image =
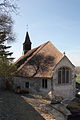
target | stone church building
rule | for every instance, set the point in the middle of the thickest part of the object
(45, 69)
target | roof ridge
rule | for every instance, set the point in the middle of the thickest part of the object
(34, 54)
(25, 54)
(29, 51)
(61, 60)
(43, 45)
(56, 48)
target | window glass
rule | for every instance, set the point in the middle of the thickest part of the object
(44, 83)
(67, 76)
(27, 84)
(59, 76)
(64, 74)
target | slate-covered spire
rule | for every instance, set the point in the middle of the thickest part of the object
(27, 44)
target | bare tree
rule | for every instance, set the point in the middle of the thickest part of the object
(6, 28)
(41, 63)
(8, 6)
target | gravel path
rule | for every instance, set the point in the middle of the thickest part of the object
(13, 107)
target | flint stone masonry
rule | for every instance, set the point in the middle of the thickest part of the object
(64, 90)
(35, 84)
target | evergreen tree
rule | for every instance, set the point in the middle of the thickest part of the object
(7, 68)
(5, 34)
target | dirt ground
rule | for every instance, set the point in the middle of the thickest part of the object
(13, 107)
(38, 103)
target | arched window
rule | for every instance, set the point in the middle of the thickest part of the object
(64, 75)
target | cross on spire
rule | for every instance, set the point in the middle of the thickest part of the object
(27, 27)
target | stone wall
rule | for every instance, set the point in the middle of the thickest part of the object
(64, 90)
(35, 84)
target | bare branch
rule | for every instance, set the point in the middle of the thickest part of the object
(8, 6)
(41, 63)
(6, 33)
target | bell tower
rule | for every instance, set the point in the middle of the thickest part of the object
(27, 44)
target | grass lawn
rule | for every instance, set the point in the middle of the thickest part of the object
(78, 78)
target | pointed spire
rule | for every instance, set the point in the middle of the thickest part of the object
(27, 38)
(27, 43)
